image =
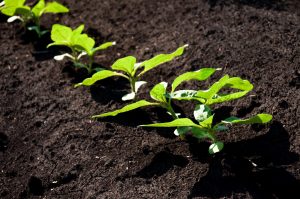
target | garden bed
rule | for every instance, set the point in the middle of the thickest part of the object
(50, 148)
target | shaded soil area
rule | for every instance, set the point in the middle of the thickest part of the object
(49, 147)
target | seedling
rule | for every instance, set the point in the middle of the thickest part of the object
(205, 128)
(204, 115)
(132, 71)
(79, 43)
(17, 10)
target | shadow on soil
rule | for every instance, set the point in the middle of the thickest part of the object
(162, 163)
(256, 166)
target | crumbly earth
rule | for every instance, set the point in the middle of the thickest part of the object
(50, 148)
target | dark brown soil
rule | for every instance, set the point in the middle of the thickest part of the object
(49, 147)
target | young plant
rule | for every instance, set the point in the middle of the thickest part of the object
(160, 95)
(17, 10)
(205, 128)
(132, 71)
(79, 43)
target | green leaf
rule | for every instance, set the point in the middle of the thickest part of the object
(82, 42)
(215, 147)
(38, 9)
(158, 92)
(201, 133)
(61, 35)
(212, 97)
(103, 74)
(258, 119)
(125, 64)
(202, 112)
(182, 122)
(199, 75)
(55, 7)
(160, 59)
(207, 123)
(104, 46)
(79, 29)
(214, 89)
(11, 6)
(127, 108)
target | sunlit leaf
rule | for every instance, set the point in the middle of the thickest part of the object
(158, 92)
(127, 108)
(199, 75)
(55, 7)
(103, 74)
(160, 59)
(125, 64)
(258, 119)
(207, 123)
(182, 122)
(39, 8)
(104, 46)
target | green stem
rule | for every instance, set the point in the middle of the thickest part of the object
(90, 64)
(132, 83)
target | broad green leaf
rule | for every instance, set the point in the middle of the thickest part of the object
(182, 130)
(201, 133)
(11, 6)
(202, 112)
(182, 122)
(38, 8)
(24, 12)
(258, 119)
(199, 75)
(215, 147)
(127, 108)
(82, 42)
(158, 92)
(125, 64)
(61, 35)
(238, 83)
(54, 7)
(214, 89)
(160, 59)
(211, 95)
(226, 97)
(207, 123)
(104, 46)
(103, 74)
